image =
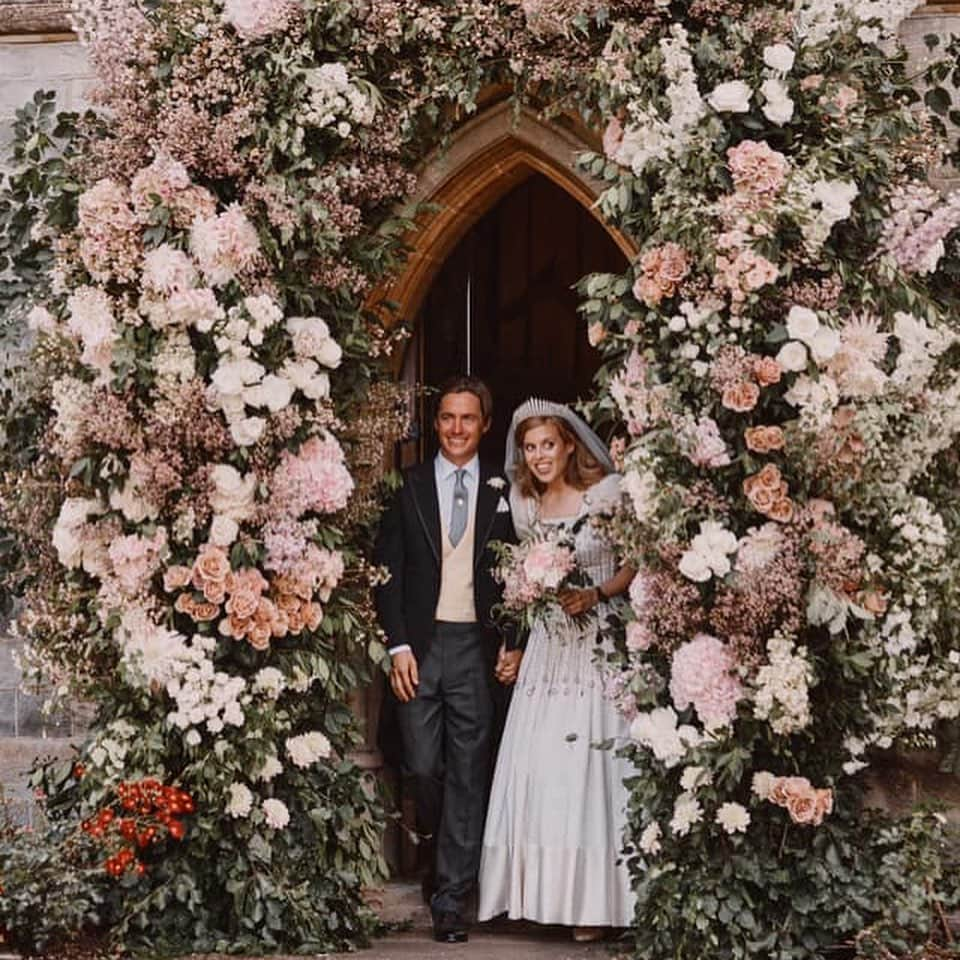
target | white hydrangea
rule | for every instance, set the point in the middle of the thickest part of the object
(335, 100)
(783, 687)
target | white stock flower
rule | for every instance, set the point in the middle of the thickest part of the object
(731, 97)
(778, 108)
(276, 813)
(649, 841)
(733, 818)
(241, 801)
(779, 57)
(686, 812)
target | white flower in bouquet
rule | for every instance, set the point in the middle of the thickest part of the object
(223, 531)
(793, 357)
(649, 841)
(802, 323)
(312, 340)
(246, 432)
(731, 97)
(241, 800)
(783, 685)
(686, 812)
(308, 748)
(276, 813)
(733, 818)
(68, 532)
(306, 377)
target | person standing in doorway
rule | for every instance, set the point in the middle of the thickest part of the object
(436, 610)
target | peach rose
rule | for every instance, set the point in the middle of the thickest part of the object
(770, 477)
(176, 578)
(782, 510)
(234, 627)
(212, 564)
(288, 603)
(248, 579)
(184, 604)
(767, 370)
(205, 612)
(312, 615)
(874, 601)
(741, 396)
(762, 499)
(214, 591)
(259, 638)
(764, 439)
(782, 788)
(802, 806)
(242, 604)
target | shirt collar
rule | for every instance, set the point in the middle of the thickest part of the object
(446, 469)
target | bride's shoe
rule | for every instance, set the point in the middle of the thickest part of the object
(588, 934)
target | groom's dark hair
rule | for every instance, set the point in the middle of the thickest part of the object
(464, 383)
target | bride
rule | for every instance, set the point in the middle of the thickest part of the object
(557, 806)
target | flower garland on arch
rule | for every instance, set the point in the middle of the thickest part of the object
(781, 381)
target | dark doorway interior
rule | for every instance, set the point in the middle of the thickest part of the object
(503, 306)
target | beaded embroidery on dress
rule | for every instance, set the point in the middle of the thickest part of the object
(558, 805)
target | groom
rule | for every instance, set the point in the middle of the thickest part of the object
(436, 612)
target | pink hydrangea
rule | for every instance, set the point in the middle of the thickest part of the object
(90, 319)
(315, 478)
(757, 169)
(109, 232)
(167, 270)
(702, 674)
(255, 19)
(161, 181)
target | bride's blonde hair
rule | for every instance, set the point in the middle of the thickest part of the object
(583, 470)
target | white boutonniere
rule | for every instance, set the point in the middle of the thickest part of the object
(498, 483)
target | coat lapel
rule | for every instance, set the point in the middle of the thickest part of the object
(487, 499)
(423, 489)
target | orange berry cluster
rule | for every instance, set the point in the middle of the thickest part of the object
(149, 811)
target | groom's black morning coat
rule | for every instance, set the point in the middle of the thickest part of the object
(409, 546)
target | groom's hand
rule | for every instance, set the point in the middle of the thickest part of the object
(508, 665)
(404, 675)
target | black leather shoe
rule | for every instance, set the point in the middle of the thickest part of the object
(449, 928)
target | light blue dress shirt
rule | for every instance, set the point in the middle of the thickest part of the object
(444, 473)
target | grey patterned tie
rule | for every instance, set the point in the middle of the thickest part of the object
(458, 512)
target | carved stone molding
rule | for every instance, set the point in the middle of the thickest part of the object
(36, 19)
(41, 20)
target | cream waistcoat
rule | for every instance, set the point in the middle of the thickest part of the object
(456, 604)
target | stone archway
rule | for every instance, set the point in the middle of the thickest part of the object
(487, 156)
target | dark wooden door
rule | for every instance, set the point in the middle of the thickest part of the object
(503, 306)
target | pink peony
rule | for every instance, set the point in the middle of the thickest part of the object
(255, 19)
(547, 563)
(224, 245)
(702, 674)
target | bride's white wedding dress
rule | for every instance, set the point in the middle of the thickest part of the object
(557, 807)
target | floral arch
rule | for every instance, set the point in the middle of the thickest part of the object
(197, 448)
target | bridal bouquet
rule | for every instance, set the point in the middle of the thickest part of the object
(533, 574)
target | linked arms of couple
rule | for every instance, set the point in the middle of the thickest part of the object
(404, 671)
